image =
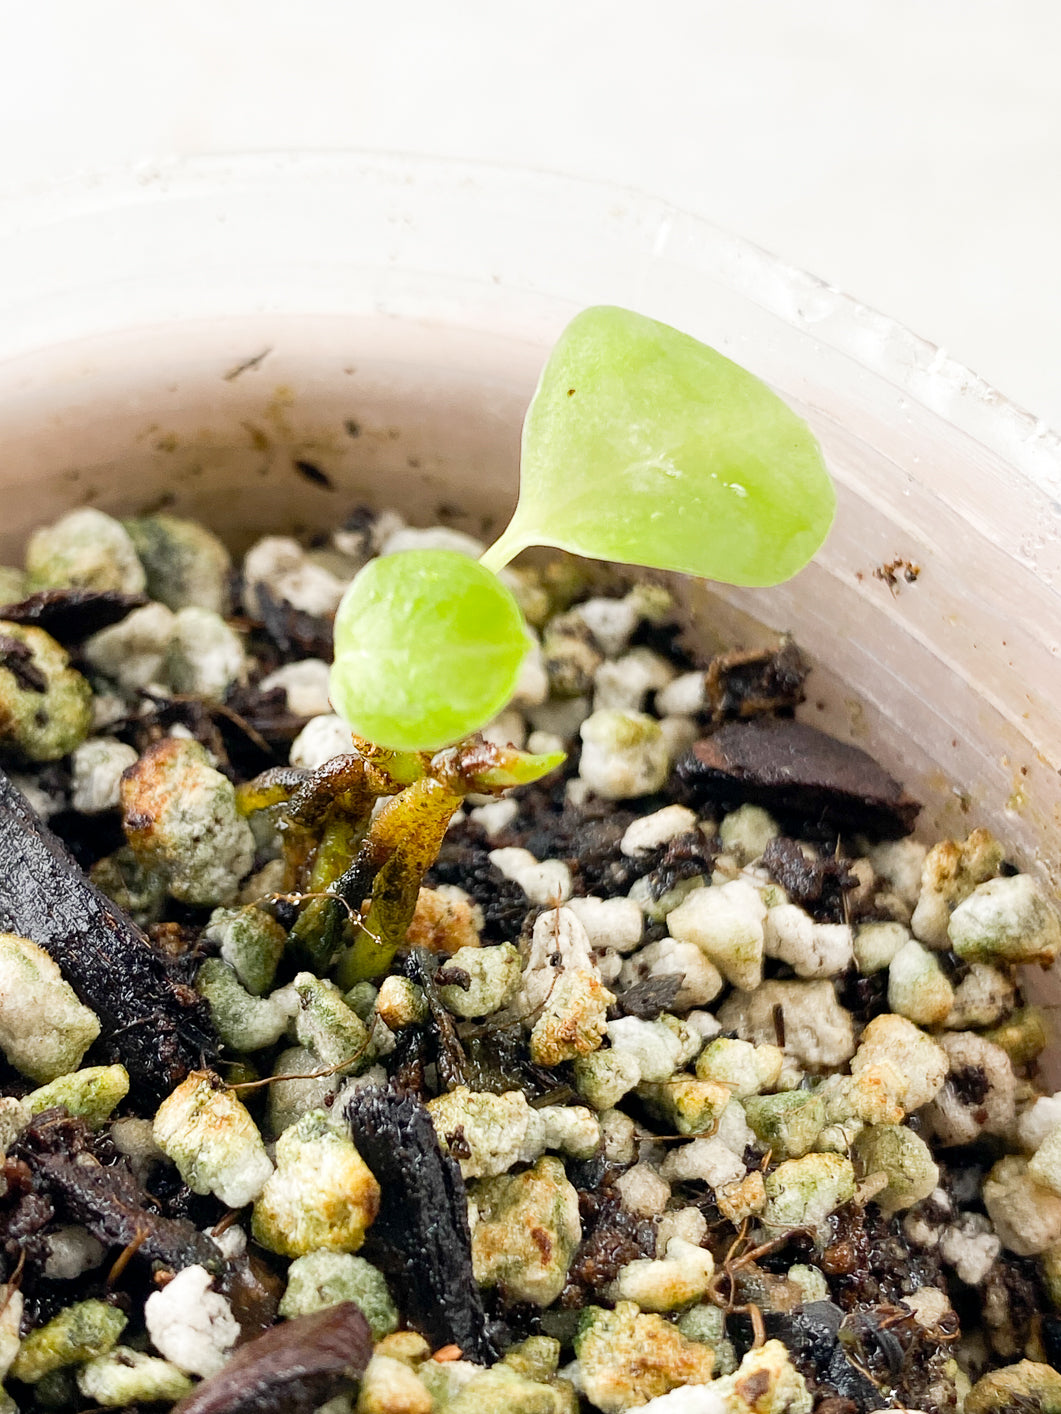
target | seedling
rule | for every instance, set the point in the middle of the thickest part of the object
(641, 445)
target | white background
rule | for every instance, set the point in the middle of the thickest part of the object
(908, 151)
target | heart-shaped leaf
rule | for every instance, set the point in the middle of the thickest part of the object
(645, 446)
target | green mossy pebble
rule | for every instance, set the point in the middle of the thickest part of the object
(323, 1279)
(125, 1376)
(46, 706)
(90, 1094)
(78, 1333)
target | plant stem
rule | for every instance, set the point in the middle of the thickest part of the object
(505, 548)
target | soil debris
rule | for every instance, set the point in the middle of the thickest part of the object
(744, 684)
(80, 1176)
(294, 633)
(817, 885)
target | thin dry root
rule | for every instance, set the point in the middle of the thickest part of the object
(306, 1075)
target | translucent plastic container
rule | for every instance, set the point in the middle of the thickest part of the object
(185, 340)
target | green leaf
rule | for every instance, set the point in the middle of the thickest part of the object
(645, 446)
(428, 646)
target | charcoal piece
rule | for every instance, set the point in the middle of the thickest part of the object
(649, 998)
(850, 1383)
(817, 885)
(812, 1336)
(60, 1154)
(878, 1348)
(72, 615)
(290, 1369)
(809, 781)
(809, 1334)
(295, 633)
(421, 1233)
(158, 1029)
(750, 684)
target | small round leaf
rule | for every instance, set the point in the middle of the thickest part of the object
(428, 646)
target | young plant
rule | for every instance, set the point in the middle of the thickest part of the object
(640, 445)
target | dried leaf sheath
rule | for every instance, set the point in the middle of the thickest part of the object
(400, 848)
(159, 1031)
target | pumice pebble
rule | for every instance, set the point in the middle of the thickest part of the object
(191, 1324)
(543, 881)
(305, 687)
(98, 764)
(320, 740)
(651, 831)
(609, 922)
(623, 754)
(279, 566)
(87, 549)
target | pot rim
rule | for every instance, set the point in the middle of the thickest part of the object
(76, 217)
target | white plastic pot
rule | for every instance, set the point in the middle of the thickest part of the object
(184, 340)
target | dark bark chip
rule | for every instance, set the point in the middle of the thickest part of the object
(808, 780)
(72, 615)
(748, 684)
(290, 1369)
